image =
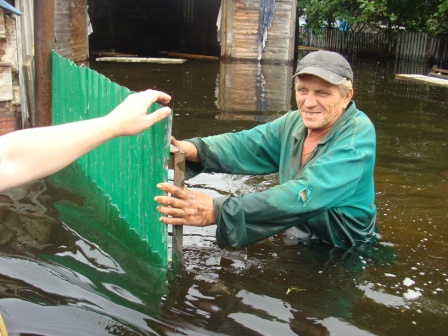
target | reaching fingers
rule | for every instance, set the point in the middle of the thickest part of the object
(144, 99)
(162, 97)
(159, 115)
(152, 96)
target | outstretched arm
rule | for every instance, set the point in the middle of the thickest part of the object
(31, 154)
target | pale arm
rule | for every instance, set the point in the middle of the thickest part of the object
(34, 153)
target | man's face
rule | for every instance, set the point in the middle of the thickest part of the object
(320, 103)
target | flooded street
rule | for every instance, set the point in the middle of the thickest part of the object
(68, 266)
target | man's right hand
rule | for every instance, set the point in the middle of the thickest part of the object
(191, 153)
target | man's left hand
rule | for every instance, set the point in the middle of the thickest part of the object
(185, 207)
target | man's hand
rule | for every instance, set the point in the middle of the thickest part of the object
(191, 153)
(185, 207)
(130, 117)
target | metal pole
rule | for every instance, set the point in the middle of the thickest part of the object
(43, 45)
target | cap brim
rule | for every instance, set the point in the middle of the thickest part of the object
(6, 6)
(326, 75)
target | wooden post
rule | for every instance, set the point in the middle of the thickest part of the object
(43, 45)
(178, 164)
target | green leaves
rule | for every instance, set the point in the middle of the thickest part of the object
(377, 14)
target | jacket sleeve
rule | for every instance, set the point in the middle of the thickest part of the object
(254, 151)
(328, 182)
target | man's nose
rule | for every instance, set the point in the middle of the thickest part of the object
(310, 100)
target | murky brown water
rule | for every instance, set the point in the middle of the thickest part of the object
(63, 271)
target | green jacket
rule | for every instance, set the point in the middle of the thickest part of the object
(330, 197)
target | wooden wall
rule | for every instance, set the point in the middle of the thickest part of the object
(240, 27)
(17, 55)
(71, 29)
(9, 74)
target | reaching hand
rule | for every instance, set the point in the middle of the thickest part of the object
(130, 117)
(185, 207)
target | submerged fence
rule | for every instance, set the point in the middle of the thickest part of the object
(126, 169)
(402, 46)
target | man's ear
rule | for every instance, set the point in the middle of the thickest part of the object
(348, 97)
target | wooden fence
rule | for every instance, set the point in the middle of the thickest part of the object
(439, 52)
(402, 46)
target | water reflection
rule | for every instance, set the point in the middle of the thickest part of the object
(67, 264)
(69, 258)
(253, 87)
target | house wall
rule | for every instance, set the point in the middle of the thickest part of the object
(17, 59)
(70, 28)
(9, 75)
(240, 27)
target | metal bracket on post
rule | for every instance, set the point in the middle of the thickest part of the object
(177, 163)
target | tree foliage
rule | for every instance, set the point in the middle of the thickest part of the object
(427, 15)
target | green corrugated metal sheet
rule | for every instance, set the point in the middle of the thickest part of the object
(126, 169)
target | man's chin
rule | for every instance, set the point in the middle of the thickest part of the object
(313, 125)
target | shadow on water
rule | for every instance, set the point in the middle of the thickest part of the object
(69, 266)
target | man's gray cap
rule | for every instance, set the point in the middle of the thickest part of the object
(328, 65)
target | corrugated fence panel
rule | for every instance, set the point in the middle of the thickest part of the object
(126, 169)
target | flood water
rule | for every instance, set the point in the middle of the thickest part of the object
(68, 268)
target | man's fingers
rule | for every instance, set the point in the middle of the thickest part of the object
(170, 201)
(174, 142)
(175, 191)
(173, 221)
(179, 213)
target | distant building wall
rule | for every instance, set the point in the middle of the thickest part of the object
(240, 28)
(71, 29)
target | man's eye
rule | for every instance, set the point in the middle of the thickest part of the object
(323, 94)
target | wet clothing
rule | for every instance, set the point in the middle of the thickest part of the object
(330, 197)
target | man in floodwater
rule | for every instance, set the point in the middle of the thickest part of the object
(324, 154)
